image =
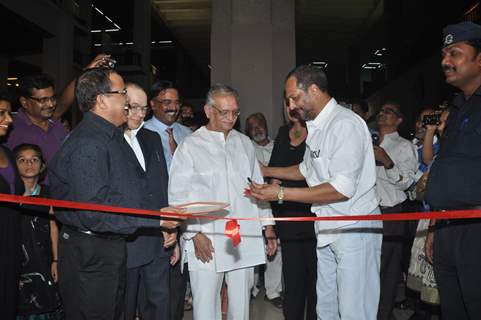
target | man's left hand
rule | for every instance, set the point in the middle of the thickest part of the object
(271, 238)
(265, 192)
(381, 155)
(175, 257)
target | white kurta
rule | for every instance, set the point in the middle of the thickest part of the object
(208, 167)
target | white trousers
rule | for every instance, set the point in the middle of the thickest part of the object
(206, 285)
(273, 275)
(348, 283)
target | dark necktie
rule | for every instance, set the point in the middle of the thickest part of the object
(172, 143)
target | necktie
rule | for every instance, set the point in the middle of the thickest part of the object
(172, 143)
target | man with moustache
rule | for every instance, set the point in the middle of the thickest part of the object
(213, 164)
(91, 167)
(455, 178)
(34, 122)
(148, 256)
(165, 103)
(339, 168)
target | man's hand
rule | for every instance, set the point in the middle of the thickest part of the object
(172, 223)
(264, 192)
(428, 246)
(170, 238)
(381, 155)
(271, 238)
(101, 60)
(54, 271)
(175, 257)
(203, 247)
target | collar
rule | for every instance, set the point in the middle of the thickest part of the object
(22, 115)
(391, 136)
(102, 124)
(162, 126)
(323, 116)
(133, 133)
(460, 99)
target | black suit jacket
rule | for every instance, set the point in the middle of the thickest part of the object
(147, 244)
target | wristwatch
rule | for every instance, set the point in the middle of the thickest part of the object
(280, 195)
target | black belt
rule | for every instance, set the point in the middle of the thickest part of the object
(448, 222)
(101, 235)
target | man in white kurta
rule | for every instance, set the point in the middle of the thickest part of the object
(213, 164)
(339, 168)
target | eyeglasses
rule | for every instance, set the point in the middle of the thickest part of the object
(122, 92)
(45, 100)
(225, 113)
(34, 160)
(168, 102)
(138, 109)
(391, 111)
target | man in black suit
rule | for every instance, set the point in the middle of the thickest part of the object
(91, 166)
(148, 251)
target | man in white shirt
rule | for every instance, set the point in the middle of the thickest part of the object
(165, 103)
(256, 129)
(396, 166)
(339, 169)
(213, 164)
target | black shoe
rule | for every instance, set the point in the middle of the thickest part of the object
(276, 302)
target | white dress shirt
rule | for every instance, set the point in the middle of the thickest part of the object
(263, 153)
(179, 131)
(131, 138)
(339, 152)
(391, 183)
(208, 167)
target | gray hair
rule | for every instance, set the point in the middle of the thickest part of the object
(220, 89)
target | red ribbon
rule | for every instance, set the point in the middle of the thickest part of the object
(232, 230)
(235, 232)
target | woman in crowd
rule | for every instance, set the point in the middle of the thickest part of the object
(298, 240)
(9, 223)
(38, 294)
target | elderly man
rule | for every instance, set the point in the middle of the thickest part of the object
(340, 171)
(213, 164)
(455, 178)
(91, 166)
(148, 256)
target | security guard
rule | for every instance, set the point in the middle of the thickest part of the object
(455, 178)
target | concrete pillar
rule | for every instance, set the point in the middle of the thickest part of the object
(253, 49)
(142, 38)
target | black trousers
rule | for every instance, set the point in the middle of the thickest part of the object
(393, 242)
(457, 268)
(299, 268)
(178, 286)
(92, 275)
(148, 290)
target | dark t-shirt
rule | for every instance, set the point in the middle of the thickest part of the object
(284, 155)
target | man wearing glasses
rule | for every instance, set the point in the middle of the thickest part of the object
(214, 164)
(396, 166)
(165, 104)
(148, 254)
(92, 166)
(33, 123)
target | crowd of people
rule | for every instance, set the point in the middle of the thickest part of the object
(145, 149)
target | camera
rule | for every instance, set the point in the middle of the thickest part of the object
(432, 119)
